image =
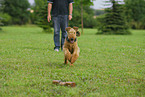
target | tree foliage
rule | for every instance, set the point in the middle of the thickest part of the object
(17, 9)
(1, 4)
(99, 12)
(5, 19)
(88, 13)
(41, 15)
(135, 13)
(113, 22)
(84, 2)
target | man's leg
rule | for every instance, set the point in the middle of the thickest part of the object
(56, 25)
(63, 25)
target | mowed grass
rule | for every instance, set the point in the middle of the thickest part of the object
(108, 65)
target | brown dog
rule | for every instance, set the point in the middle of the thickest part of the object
(71, 49)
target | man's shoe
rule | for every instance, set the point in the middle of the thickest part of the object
(57, 50)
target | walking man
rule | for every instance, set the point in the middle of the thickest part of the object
(61, 12)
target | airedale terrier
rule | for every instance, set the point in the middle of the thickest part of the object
(71, 49)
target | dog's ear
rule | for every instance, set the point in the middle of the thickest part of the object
(75, 28)
(67, 29)
(78, 33)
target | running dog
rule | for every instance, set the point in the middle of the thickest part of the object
(70, 48)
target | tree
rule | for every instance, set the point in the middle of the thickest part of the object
(113, 22)
(99, 12)
(1, 5)
(1, 9)
(41, 15)
(17, 9)
(88, 17)
(135, 12)
(82, 3)
(5, 19)
(1, 23)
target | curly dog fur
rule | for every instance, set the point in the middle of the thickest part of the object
(71, 49)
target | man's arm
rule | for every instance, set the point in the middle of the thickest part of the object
(49, 11)
(70, 11)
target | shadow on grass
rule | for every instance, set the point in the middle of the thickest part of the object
(56, 65)
(33, 48)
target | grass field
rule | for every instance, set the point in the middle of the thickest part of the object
(108, 65)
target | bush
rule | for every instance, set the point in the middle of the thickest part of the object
(137, 25)
(5, 19)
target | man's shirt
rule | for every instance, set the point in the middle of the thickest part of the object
(60, 7)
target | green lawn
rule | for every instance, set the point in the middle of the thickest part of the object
(108, 65)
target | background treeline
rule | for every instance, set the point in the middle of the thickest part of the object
(135, 13)
(14, 12)
(20, 12)
(40, 15)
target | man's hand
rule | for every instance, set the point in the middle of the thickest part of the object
(49, 18)
(49, 12)
(70, 17)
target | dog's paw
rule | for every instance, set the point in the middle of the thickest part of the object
(71, 64)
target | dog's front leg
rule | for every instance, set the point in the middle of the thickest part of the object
(74, 58)
(75, 55)
(67, 55)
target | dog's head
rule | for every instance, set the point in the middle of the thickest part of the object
(72, 33)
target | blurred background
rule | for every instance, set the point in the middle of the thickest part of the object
(105, 15)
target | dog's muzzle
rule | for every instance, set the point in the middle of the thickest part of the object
(71, 40)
